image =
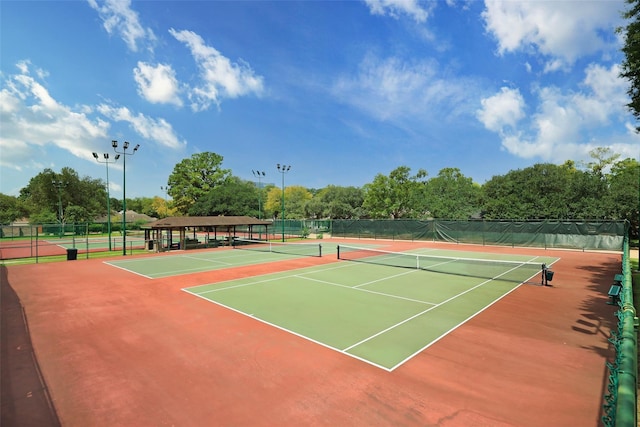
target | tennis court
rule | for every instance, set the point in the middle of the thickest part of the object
(51, 246)
(383, 309)
(247, 253)
(93, 243)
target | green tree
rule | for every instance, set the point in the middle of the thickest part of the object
(195, 177)
(115, 204)
(451, 195)
(135, 205)
(630, 67)
(603, 159)
(43, 217)
(234, 197)
(11, 208)
(51, 192)
(41, 194)
(77, 214)
(398, 195)
(161, 207)
(537, 192)
(500, 198)
(587, 195)
(624, 185)
(273, 203)
(336, 202)
(142, 205)
(295, 199)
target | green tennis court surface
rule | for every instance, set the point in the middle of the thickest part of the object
(380, 314)
(193, 262)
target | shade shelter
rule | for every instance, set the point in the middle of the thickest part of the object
(189, 232)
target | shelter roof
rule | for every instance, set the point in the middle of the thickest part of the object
(206, 221)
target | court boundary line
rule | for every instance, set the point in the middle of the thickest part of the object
(128, 271)
(333, 267)
(438, 305)
(419, 314)
(345, 351)
(281, 328)
(367, 290)
(194, 271)
(402, 362)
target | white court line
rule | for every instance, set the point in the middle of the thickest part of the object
(366, 290)
(206, 260)
(316, 270)
(126, 269)
(386, 278)
(295, 273)
(428, 310)
(164, 274)
(345, 350)
(289, 331)
(429, 344)
(163, 258)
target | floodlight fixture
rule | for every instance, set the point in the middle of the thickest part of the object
(106, 161)
(125, 146)
(283, 169)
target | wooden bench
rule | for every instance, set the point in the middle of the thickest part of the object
(614, 294)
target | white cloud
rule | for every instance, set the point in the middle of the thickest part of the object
(221, 78)
(562, 31)
(392, 89)
(566, 125)
(606, 84)
(31, 118)
(157, 84)
(412, 8)
(158, 130)
(118, 17)
(504, 109)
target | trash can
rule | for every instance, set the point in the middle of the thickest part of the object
(72, 254)
(150, 245)
(549, 275)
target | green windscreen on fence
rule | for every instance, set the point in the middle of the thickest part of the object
(597, 235)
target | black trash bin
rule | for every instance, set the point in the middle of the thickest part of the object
(150, 243)
(549, 275)
(72, 254)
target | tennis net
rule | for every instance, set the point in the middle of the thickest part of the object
(289, 248)
(504, 270)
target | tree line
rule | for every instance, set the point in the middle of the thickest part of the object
(604, 189)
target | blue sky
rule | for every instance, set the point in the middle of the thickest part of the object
(341, 91)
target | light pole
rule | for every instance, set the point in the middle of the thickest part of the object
(259, 175)
(166, 199)
(106, 161)
(283, 169)
(125, 146)
(59, 185)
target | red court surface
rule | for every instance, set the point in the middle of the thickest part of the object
(115, 348)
